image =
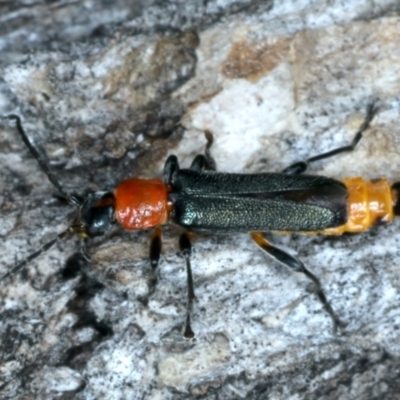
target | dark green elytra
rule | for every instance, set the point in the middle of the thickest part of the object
(212, 202)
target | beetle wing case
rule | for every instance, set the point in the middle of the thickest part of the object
(212, 202)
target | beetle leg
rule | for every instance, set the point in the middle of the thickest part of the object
(210, 140)
(186, 250)
(205, 162)
(171, 165)
(301, 166)
(296, 265)
(200, 163)
(154, 255)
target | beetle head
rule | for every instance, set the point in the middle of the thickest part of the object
(96, 215)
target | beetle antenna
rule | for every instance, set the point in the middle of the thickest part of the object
(36, 254)
(41, 160)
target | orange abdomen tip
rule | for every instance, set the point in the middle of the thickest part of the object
(369, 203)
(141, 203)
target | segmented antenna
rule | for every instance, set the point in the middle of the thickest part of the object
(70, 199)
(37, 253)
(42, 162)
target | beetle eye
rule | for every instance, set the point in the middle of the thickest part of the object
(97, 213)
(100, 220)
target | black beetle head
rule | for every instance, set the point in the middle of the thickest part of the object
(96, 214)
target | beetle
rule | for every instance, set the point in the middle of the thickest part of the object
(202, 200)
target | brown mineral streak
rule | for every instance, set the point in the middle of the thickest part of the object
(147, 69)
(205, 99)
(254, 60)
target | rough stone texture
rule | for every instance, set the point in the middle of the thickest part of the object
(107, 91)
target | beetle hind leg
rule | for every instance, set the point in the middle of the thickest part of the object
(301, 166)
(296, 265)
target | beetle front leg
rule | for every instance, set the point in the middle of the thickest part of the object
(296, 265)
(186, 250)
(154, 255)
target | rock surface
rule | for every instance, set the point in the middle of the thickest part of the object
(108, 90)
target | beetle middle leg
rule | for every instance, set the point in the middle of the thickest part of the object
(185, 247)
(296, 265)
(301, 166)
(202, 162)
(205, 161)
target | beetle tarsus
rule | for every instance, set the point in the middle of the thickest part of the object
(188, 332)
(337, 322)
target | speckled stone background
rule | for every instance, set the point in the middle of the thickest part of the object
(107, 90)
